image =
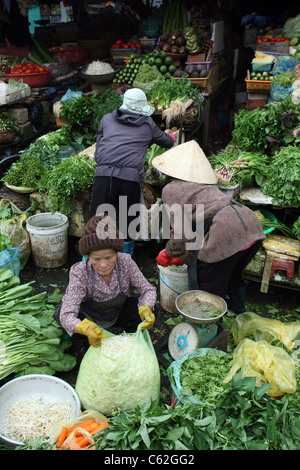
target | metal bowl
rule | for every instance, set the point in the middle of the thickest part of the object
(36, 386)
(101, 78)
(191, 296)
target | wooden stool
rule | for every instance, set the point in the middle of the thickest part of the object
(283, 265)
(281, 253)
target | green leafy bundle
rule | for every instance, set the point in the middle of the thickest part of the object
(243, 417)
(65, 181)
(282, 180)
(47, 146)
(26, 172)
(30, 339)
(103, 104)
(265, 130)
(165, 91)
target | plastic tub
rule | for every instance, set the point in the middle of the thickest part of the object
(261, 66)
(31, 79)
(49, 239)
(35, 386)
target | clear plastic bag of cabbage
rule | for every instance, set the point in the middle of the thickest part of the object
(122, 373)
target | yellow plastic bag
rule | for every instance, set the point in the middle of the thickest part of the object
(251, 325)
(269, 364)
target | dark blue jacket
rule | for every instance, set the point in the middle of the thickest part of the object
(123, 138)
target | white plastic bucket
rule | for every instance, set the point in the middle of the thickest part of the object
(173, 281)
(49, 239)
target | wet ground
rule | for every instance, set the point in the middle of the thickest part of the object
(277, 303)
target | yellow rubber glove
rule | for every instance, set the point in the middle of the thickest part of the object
(147, 317)
(92, 331)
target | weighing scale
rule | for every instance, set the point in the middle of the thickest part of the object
(196, 331)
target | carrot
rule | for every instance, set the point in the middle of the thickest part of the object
(62, 437)
(81, 425)
(83, 442)
(92, 427)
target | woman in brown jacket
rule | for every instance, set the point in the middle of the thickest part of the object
(228, 234)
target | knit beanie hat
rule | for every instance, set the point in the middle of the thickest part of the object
(100, 233)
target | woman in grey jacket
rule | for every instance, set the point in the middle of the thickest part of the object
(229, 233)
(122, 142)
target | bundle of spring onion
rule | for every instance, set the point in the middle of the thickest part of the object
(30, 340)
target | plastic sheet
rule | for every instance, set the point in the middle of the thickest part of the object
(255, 327)
(269, 364)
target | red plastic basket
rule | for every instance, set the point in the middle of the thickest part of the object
(74, 55)
(31, 79)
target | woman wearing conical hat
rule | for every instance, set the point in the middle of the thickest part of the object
(216, 236)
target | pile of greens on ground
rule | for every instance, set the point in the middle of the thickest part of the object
(243, 417)
(31, 341)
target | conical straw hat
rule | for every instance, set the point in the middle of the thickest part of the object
(186, 162)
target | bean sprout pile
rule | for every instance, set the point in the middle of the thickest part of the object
(26, 420)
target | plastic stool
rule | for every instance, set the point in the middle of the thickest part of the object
(284, 265)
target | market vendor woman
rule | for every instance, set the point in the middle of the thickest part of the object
(230, 235)
(98, 293)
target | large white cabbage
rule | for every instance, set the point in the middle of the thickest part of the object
(133, 378)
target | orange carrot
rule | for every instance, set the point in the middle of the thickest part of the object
(62, 437)
(81, 425)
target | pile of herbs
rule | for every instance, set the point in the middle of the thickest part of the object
(66, 180)
(37, 158)
(31, 341)
(265, 130)
(26, 172)
(86, 112)
(201, 376)
(167, 90)
(285, 188)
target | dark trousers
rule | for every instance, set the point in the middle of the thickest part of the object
(107, 190)
(225, 277)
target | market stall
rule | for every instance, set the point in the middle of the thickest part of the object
(203, 384)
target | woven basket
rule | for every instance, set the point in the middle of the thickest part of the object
(7, 136)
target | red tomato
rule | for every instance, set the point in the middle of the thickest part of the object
(259, 40)
(273, 39)
(265, 39)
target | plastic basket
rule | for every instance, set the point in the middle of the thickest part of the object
(268, 215)
(261, 66)
(31, 79)
(260, 86)
(207, 64)
(278, 47)
(74, 55)
(197, 82)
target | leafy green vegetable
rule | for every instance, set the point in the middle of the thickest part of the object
(29, 335)
(26, 172)
(243, 417)
(66, 180)
(199, 371)
(285, 188)
(167, 90)
(265, 130)
(285, 79)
